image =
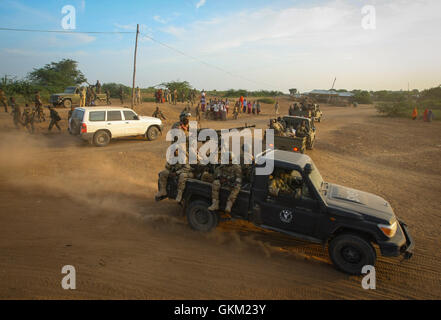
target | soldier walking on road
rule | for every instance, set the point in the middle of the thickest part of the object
(16, 112)
(276, 108)
(158, 114)
(138, 96)
(121, 94)
(28, 119)
(3, 100)
(39, 107)
(55, 117)
(108, 102)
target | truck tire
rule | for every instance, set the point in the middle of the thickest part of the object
(67, 103)
(101, 138)
(199, 218)
(350, 253)
(152, 133)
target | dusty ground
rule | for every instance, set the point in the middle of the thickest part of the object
(65, 202)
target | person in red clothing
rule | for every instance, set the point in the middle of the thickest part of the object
(241, 101)
(425, 117)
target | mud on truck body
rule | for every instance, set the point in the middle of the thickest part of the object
(349, 221)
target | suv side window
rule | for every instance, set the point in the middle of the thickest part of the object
(130, 115)
(97, 116)
(114, 116)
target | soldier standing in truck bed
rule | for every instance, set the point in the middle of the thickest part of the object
(98, 87)
(229, 175)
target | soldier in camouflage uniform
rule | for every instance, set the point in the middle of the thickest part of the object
(229, 175)
(16, 112)
(158, 114)
(184, 171)
(39, 107)
(28, 119)
(3, 100)
(301, 130)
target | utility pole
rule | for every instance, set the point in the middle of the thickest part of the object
(134, 67)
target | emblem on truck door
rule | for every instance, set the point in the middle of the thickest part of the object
(286, 216)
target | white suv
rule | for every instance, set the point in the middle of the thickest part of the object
(99, 125)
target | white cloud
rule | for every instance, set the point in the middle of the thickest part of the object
(175, 31)
(160, 20)
(200, 3)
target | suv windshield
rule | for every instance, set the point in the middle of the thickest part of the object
(70, 90)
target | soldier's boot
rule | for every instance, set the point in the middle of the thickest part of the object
(179, 196)
(162, 192)
(228, 206)
(214, 205)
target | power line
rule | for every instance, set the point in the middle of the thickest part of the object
(151, 38)
(67, 31)
(205, 63)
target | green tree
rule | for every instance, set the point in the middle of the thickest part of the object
(58, 75)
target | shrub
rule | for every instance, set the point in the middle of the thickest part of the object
(267, 100)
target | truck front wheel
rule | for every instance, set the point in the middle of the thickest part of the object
(67, 103)
(200, 218)
(350, 253)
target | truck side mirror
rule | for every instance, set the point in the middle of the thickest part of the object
(308, 169)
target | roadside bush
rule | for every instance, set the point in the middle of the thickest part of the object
(148, 99)
(267, 100)
(394, 109)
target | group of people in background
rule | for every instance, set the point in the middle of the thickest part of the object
(30, 115)
(428, 115)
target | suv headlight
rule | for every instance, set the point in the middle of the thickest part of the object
(389, 230)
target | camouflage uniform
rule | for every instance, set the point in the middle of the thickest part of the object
(16, 113)
(278, 185)
(301, 131)
(39, 107)
(121, 95)
(138, 96)
(55, 117)
(3, 100)
(28, 119)
(184, 171)
(108, 102)
(229, 175)
(158, 114)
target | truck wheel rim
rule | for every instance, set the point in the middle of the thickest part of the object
(201, 216)
(351, 254)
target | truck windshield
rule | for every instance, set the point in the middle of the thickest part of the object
(70, 90)
(316, 178)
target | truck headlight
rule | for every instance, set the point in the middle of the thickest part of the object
(389, 230)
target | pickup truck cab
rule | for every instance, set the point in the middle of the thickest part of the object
(349, 221)
(71, 97)
(99, 125)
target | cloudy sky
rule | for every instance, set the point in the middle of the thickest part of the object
(250, 44)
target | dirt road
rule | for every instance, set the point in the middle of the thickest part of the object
(63, 202)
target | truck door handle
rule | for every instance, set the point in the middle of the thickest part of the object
(109, 123)
(127, 122)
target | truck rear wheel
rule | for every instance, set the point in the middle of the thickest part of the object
(200, 218)
(101, 138)
(350, 253)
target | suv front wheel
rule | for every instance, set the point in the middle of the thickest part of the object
(101, 138)
(350, 253)
(152, 133)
